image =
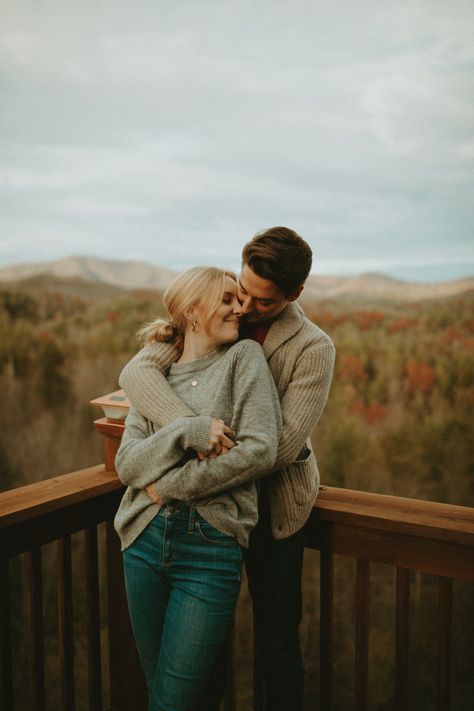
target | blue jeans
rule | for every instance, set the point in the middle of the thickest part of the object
(182, 578)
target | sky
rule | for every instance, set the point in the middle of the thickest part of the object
(172, 132)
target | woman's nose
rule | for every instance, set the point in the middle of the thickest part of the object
(237, 307)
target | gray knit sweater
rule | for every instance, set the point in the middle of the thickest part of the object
(301, 359)
(232, 384)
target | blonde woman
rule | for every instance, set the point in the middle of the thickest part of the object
(185, 519)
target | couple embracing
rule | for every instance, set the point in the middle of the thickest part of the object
(219, 470)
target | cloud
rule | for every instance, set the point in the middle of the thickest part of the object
(178, 130)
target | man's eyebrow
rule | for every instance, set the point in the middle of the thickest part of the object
(242, 286)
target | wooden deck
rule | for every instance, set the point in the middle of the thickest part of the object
(408, 534)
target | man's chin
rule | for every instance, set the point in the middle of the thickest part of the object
(254, 320)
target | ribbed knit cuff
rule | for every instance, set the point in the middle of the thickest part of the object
(197, 435)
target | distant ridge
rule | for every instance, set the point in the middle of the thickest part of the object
(382, 287)
(134, 274)
(124, 274)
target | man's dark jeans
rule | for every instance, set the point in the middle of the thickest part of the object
(274, 573)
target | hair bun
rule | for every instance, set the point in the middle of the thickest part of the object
(159, 330)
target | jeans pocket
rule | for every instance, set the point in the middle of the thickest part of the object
(213, 535)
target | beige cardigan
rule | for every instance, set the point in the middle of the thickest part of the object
(301, 359)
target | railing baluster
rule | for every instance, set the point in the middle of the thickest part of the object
(66, 624)
(127, 682)
(402, 638)
(93, 619)
(258, 684)
(445, 613)
(327, 629)
(35, 604)
(6, 668)
(362, 634)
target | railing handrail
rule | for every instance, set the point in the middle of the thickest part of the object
(25, 503)
(425, 519)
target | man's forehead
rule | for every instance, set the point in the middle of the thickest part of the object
(257, 286)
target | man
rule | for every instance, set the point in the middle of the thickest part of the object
(275, 265)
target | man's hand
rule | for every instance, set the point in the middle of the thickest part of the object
(154, 495)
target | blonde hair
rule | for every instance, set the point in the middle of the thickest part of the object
(190, 288)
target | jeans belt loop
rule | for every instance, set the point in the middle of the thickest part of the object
(192, 515)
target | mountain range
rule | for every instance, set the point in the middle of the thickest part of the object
(143, 275)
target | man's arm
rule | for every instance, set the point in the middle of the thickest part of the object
(304, 400)
(144, 382)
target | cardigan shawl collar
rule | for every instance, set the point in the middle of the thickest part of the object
(283, 328)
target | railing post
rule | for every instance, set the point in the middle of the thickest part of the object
(112, 432)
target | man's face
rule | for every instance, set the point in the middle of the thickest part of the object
(261, 299)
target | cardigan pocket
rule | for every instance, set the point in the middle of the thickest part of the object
(303, 478)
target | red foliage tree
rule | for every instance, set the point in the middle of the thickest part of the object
(419, 376)
(372, 413)
(350, 367)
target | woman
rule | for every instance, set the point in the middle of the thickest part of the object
(184, 518)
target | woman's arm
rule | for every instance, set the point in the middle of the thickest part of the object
(257, 423)
(143, 454)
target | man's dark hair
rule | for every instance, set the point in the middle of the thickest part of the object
(281, 255)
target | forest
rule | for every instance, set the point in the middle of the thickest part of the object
(398, 421)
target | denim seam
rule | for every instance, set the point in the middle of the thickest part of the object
(192, 516)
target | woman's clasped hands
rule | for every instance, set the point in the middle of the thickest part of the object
(221, 440)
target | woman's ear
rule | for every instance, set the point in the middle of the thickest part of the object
(189, 313)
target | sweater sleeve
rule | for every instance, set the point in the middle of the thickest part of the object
(144, 455)
(144, 381)
(304, 400)
(257, 423)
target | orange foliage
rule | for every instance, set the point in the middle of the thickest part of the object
(112, 316)
(350, 367)
(451, 334)
(419, 376)
(327, 318)
(44, 336)
(371, 414)
(402, 324)
(366, 320)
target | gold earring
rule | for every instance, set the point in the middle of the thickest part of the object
(193, 325)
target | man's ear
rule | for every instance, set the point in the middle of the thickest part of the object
(295, 294)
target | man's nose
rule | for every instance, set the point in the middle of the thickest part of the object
(246, 304)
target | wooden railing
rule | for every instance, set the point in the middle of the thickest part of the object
(408, 534)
